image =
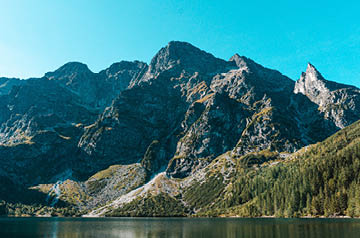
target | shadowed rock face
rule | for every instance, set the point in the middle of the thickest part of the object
(6, 84)
(97, 89)
(136, 118)
(179, 113)
(56, 108)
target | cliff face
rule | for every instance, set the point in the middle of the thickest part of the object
(97, 89)
(339, 102)
(175, 115)
(42, 120)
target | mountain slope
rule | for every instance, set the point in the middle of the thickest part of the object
(319, 180)
(179, 128)
(236, 105)
(42, 120)
(97, 89)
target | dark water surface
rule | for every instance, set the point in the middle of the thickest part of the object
(177, 227)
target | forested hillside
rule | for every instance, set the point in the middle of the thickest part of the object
(319, 180)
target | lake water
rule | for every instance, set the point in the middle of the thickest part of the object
(177, 227)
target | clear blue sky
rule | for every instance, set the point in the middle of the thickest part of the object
(40, 35)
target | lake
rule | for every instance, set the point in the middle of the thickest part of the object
(177, 227)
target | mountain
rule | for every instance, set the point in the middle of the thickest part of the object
(169, 132)
(42, 120)
(339, 102)
(318, 180)
(97, 89)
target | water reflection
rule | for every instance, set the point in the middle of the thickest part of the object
(176, 227)
(54, 229)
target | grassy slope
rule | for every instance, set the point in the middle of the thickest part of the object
(78, 197)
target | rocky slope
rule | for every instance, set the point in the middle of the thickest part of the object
(42, 120)
(185, 111)
(318, 180)
(6, 84)
(97, 89)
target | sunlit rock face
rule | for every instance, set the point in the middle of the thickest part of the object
(176, 114)
(338, 102)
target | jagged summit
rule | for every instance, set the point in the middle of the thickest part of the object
(175, 47)
(97, 89)
(313, 73)
(119, 69)
(235, 57)
(312, 84)
(337, 101)
(183, 56)
(245, 62)
(315, 86)
(240, 61)
(180, 44)
(68, 69)
(311, 67)
(124, 65)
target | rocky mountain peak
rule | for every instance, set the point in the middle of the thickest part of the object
(240, 61)
(311, 69)
(313, 85)
(337, 101)
(245, 63)
(115, 68)
(313, 75)
(180, 56)
(68, 69)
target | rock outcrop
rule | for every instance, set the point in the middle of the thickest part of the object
(339, 102)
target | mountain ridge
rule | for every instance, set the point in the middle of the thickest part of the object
(176, 116)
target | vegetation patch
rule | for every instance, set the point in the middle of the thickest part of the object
(203, 99)
(161, 205)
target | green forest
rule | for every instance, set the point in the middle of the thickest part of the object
(320, 180)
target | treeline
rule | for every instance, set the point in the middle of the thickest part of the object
(20, 209)
(161, 205)
(323, 180)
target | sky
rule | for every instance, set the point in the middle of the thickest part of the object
(39, 36)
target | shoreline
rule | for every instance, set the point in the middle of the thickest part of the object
(195, 217)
